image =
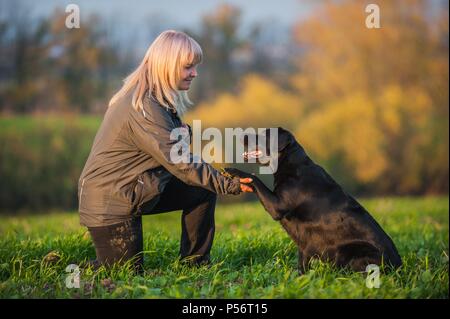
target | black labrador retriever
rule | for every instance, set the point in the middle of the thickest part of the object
(324, 221)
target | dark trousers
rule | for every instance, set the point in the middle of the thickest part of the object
(123, 241)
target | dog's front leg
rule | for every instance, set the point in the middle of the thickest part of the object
(274, 204)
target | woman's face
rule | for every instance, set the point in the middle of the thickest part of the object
(188, 73)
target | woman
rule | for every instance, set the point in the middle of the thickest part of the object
(129, 171)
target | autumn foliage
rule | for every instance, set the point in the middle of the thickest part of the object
(370, 105)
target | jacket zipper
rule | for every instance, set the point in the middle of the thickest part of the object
(81, 191)
(138, 194)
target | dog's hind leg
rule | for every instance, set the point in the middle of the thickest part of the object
(357, 255)
(360, 264)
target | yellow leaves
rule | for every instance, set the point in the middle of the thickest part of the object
(413, 106)
(359, 130)
(370, 103)
(260, 103)
(341, 55)
(376, 100)
(363, 131)
(221, 111)
(348, 128)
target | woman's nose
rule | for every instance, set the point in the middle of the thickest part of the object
(194, 73)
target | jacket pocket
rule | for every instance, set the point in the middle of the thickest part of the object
(148, 186)
(119, 201)
(91, 201)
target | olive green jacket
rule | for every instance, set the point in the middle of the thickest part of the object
(129, 164)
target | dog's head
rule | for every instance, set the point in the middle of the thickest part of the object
(267, 145)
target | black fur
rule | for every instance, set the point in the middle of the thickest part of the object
(324, 221)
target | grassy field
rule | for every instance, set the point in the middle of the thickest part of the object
(252, 258)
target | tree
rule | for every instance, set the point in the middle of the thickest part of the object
(399, 74)
(219, 39)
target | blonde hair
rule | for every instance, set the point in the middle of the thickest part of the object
(160, 71)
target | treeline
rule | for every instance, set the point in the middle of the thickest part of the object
(46, 67)
(41, 161)
(371, 105)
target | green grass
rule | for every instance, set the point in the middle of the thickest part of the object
(57, 122)
(253, 258)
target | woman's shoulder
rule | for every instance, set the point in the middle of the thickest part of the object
(156, 109)
(151, 114)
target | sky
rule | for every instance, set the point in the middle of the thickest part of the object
(143, 20)
(179, 12)
(140, 21)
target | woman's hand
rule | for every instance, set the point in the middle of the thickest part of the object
(246, 188)
(242, 181)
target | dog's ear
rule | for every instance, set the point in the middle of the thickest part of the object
(285, 138)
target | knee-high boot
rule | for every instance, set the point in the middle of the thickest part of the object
(118, 243)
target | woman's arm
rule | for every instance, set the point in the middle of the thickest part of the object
(150, 131)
